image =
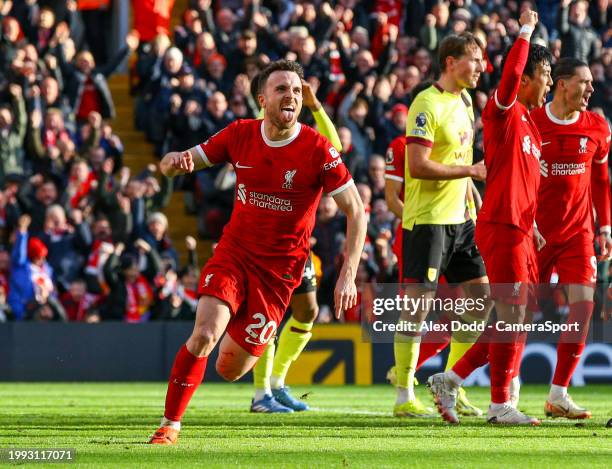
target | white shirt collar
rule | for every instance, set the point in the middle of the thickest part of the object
(280, 143)
(560, 121)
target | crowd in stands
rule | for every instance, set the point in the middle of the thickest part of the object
(83, 239)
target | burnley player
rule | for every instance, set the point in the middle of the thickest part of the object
(437, 236)
(574, 170)
(282, 168)
(505, 233)
(434, 342)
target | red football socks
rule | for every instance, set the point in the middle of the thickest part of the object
(434, 342)
(571, 344)
(522, 340)
(186, 375)
(503, 350)
(474, 358)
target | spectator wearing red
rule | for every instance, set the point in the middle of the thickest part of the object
(152, 17)
(78, 304)
(131, 293)
(86, 86)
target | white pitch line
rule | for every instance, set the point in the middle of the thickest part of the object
(351, 411)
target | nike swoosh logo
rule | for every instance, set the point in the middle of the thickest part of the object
(545, 143)
(239, 166)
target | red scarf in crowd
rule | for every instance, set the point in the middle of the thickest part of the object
(139, 298)
(83, 189)
(76, 310)
(51, 137)
(95, 263)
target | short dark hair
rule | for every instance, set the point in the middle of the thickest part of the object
(279, 66)
(248, 34)
(538, 55)
(566, 67)
(255, 85)
(457, 45)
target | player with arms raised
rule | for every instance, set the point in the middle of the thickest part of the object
(282, 168)
(574, 170)
(505, 233)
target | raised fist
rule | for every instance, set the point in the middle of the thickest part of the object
(142, 245)
(529, 17)
(190, 243)
(24, 222)
(15, 90)
(132, 40)
(177, 163)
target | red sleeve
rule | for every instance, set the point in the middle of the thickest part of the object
(215, 150)
(505, 95)
(395, 160)
(600, 181)
(334, 175)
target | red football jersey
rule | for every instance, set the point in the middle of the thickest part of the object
(278, 188)
(512, 147)
(573, 165)
(396, 156)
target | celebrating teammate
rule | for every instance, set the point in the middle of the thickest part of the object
(574, 170)
(271, 393)
(438, 238)
(505, 233)
(282, 168)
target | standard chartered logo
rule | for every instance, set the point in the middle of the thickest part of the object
(568, 169)
(261, 200)
(544, 168)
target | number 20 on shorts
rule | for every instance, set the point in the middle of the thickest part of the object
(260, 332)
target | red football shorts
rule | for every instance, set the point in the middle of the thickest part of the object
(509, 257)
(574, 261)
(257, 297)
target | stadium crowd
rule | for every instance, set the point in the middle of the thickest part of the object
(85, 240)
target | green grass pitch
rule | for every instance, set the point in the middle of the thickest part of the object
(352, 426)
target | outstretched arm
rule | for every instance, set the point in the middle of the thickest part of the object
(345, 294)
(324, 123)
(506, 93)
(213, 151)
(181, 162)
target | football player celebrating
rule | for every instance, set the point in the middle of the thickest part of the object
(574, 170)
(271, 393)
(505, 233)
(282, 169)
